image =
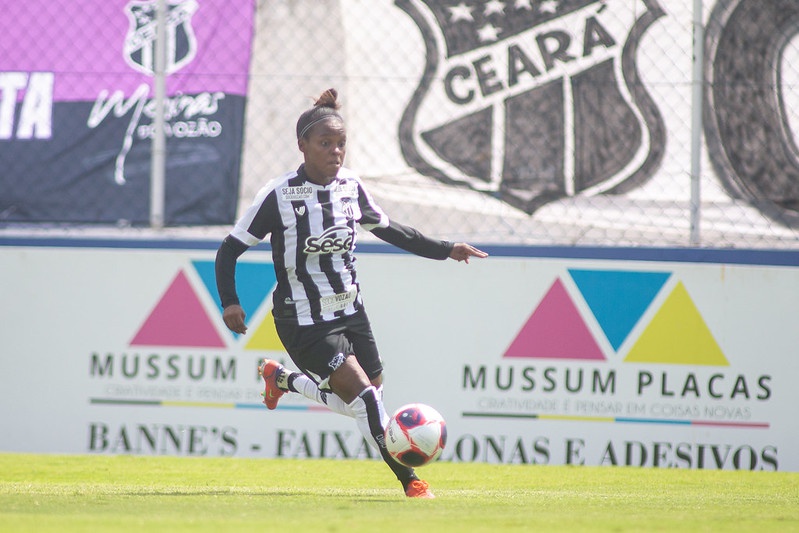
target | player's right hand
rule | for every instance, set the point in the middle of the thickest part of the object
(233, 315)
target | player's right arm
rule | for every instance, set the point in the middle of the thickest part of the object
(225, 267)
(256, 223)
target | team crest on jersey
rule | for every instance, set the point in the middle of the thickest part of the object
(347, 208)
(533, 100)
(181, 43)
(337, 361)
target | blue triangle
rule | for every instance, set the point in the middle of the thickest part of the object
(617, 298)
(254, 282)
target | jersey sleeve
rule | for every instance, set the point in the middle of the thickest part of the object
(372, 216)
(260, 218)
(225, 269)
(258, 221)
(411, 240)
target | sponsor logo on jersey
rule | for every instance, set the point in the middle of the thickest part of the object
(302, 192)
(530, 102)
(335, 240)
(346, 190)
(338, 302)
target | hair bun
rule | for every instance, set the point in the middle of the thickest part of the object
(324, 107)
(328, 99)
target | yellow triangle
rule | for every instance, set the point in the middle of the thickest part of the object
(265, 337)
(677, 335)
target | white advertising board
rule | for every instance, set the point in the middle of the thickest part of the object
(657, 358)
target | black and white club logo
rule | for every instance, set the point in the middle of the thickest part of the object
(531, 101)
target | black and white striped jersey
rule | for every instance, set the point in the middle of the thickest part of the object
(313, 234)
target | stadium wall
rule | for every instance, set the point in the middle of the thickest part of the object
(649, 357)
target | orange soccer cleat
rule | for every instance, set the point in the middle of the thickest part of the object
(418, 489)
(270, 370)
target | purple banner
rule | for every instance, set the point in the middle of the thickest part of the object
(95, 45)
(76, 109)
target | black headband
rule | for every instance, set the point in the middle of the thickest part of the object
(313, 117)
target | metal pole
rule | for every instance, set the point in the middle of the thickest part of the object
(158, 156)
(696, 122)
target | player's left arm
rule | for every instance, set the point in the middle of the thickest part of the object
(412, 240)
(407, 238)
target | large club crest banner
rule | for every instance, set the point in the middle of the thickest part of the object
(542, 100)
(77, 107)
(747, 124)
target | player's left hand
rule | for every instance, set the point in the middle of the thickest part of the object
(462, 252)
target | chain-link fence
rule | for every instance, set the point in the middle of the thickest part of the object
(566, 122)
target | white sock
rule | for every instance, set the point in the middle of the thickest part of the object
(372, 420)
(306, 387)
(360, 411)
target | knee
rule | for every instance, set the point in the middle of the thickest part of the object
(349, 380)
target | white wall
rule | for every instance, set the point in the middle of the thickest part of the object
(71, 317)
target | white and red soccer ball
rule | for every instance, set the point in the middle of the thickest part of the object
(416, 435)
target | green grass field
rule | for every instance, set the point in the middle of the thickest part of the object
(120, 493)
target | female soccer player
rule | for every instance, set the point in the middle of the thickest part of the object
(310, 215)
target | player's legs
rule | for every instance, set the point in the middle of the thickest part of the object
(326, 354)
(367, 409)
(349, 382)
(298, 382)
(278, 380)
(310, 348)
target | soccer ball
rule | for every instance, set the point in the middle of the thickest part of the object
(416, 435)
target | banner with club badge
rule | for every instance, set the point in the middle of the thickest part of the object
(77, 108)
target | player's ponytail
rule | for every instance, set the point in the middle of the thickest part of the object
(325, 107)
(328, 99)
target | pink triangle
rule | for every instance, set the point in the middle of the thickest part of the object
(555, 330)
(178, 319)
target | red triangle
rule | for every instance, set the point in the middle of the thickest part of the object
(555, 330)
(179, 319)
